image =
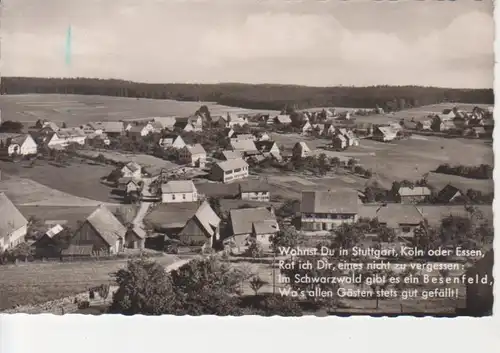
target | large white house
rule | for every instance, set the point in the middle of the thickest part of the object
(21, 144)
(63, 137)
(229, 170)
(13, 225)
(179, 191)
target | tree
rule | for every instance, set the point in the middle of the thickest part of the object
(144, 288)
(11, 126)
(286, 237)
(255, 249)
(386, 234)
(280, 305)
(345, 236)
(256, 284)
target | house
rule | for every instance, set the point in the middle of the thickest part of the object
(202, 229)
(479, 296)
(227, 155)
(98, 138)
(18, 144)
(254, 191)
(183, 125)
(409, 195)
(230, 170)
(65, 136)
(269, 148)
(235, 119)
(425, 125)
(171, 218)
(179, 191)
(49, 126)
(258, 223)
(328, 129)
(241, 137)
(301, 150)
(352, 139)
(141, 130)
(129, 185)
(263, 136)
(13, 225)
(448, 114)
(319, 129)
(132, 170)
(325, 210)
(50, 243)
(339, 142)
(307, 128)
(192, 123)
(111, 128)
(135, 237)
(282, 119)
(403, 218)
(175, 141)
(450, 194)
(194, 155)
(166, 122)
(384, 133)
(101, 233)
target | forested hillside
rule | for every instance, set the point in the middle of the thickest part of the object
(262, 96)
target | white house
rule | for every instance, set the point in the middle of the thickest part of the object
(141, 130)
(301, 150)
(132, 170)
(384, 133)
(254, 191)
(179, 191)
(194, 155)
(229, 170)
(13, 225)
(282, 119)
(167, 122)
(21, 144)
(63, 137)
(339, 141)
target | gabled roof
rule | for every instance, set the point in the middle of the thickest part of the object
(340, 137)
(170, 215)
(70, 132)
(331, 201)
(196, 149)
(265, 146)
(243, 219)
(253, 186)
(207, 218)
(10, 217)
(387, 131)
(446, 193)
(106, 224)
(51, 125)
(232, 164)
(12, 138)
(243, 145)
(165, 121)
(178, 186)
(138, 231)
(133, 166)
(394, 214)
(231, 155)
(414, 191)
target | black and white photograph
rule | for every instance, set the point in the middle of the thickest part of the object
(232, 158)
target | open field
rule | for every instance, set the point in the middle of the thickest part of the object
(33, 283)
(79, 109)
(78, 179)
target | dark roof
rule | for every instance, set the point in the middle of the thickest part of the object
(243, 219)
(218, 190)
(338, 201)
(447, 193)
(106, 224)
(172, 215)
(264, 146)
(253, 186)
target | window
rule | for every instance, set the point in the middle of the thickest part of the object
(173, 196)
(227, 172)
(405, 229)
(237, 170)
(183, 196)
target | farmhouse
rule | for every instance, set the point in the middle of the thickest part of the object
(384, 133)
(236, 119)
(101, 233)
(404, 219)
(170, 218)
(324, 210)
(301, 150)
(328, 129)
(135, 237)
(450, 194)
(202, 229)
(193, 123)
(141, 130)
(51, 242)
(409, 195)
(65, 136)
(425, 125)
(194, 155)
(479, 296)
(244, 146)
(132, 170)
(282, 119)
(306, 128)
(339, 142)
(254, 191)
(258, 223)
(176, 191)
(129, 185)
(17, 144)
(230, 170)
(111, 128)
(13, 225)
(175, 141)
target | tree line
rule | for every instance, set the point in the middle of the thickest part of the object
(251, 96)
(482, 171)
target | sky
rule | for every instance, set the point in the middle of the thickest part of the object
(306, 42)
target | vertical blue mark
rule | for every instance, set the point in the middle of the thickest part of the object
(68, 46)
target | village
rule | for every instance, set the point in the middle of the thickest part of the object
(233, 183)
